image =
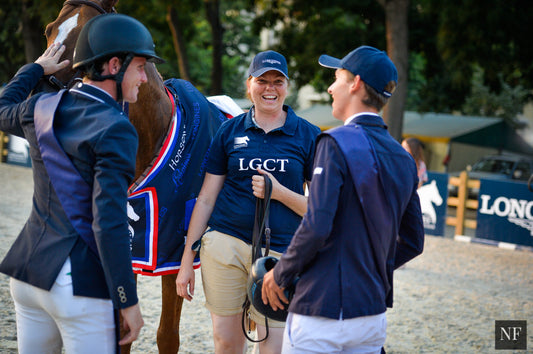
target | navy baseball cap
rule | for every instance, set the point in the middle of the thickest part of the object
(373, 66)
(266, 61)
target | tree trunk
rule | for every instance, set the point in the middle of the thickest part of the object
(179, 43)
(398, 50)
(212, 12)
(32, 33)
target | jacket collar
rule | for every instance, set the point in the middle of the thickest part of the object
(368, 119)
(95, 93)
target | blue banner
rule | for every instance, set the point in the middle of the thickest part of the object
(505, 212)
(433, 200)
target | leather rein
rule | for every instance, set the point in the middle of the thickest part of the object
(88, 3)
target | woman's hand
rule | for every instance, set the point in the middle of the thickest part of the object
(258, 185)
(185, 282)
(294, 201)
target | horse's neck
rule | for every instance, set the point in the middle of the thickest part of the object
(151, 116)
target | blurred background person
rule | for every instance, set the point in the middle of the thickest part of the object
(416, 148)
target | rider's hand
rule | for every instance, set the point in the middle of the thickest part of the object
(132, 322)
(49, 60)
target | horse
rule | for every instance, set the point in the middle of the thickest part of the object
(429, 195)
(151, 115)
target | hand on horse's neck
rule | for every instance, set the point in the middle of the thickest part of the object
(269, 122)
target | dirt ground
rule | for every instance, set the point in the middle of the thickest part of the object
(445, 301)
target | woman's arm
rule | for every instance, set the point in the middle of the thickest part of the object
(200, 216)
(294, 201)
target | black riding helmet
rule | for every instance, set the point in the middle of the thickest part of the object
(109, 35)
(255, 285)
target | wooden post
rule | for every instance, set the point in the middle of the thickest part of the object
(3, 146)
(462, 195)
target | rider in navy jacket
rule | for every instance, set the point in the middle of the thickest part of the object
(48, 237)
(83, 162)
(363, 219)
(345, 274)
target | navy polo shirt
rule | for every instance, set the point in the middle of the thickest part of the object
(237, 150)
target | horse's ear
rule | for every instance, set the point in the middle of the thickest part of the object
(108, 5)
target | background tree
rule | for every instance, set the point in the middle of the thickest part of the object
(32, 35)
(451, 43)
(308, 28)
(446, 45)
(397, 49)
(205, 42)
(176, 28)
(11, 41)
(506, 104)
(22, 32)
(217, 31)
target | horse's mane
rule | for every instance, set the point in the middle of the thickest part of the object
(151, 115)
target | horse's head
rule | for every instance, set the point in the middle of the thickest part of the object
(66, 28)
(151, 114)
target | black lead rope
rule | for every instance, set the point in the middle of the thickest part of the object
(261, 225)
(261, 222)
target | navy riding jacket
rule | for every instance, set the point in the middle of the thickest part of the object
(101, 143)
(363, 221)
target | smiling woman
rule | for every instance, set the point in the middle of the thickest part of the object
(270, 139)
(267, 93)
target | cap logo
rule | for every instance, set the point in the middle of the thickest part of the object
(271, 61)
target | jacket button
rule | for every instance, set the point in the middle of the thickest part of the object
(122, 294)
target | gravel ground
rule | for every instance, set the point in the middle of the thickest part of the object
(446, 300)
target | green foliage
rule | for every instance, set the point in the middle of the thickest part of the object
(311, 28)
(507, 103)
(240, 46)
(453, 39)
(239, 42)
(417, 81)
(447, 41)
(11, 45)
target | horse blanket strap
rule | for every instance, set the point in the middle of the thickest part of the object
(161, 203)
(261, 222)
(72, 191)
(363, 166)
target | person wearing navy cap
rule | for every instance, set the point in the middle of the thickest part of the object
(269, 139)
(363, 221)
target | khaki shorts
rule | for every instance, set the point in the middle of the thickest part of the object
(226, 262)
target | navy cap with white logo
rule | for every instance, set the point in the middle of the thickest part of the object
(372, 65)
(266, 61)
